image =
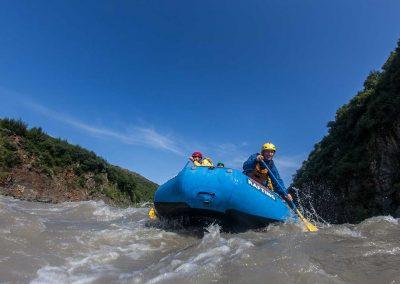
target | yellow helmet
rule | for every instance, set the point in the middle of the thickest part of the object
(268, 146)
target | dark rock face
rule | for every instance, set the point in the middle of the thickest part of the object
(385, 169)
(354, 172)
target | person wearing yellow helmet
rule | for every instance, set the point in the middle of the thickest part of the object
(268, 147)
(255, 168)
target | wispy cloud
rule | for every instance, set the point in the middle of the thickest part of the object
(289, 162)
(288, 165)
(145, 136)
(232, 154)
(136, 135)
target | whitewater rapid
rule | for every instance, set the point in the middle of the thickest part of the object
(91, 242)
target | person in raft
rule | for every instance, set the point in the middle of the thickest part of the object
(255, 169)
(197, 159)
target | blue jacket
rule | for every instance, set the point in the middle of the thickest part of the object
(250, 165)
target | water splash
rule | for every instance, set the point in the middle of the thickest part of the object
(87, 242)
(304, 201)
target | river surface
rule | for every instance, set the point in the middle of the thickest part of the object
(91, 242)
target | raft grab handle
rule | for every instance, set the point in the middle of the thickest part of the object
(206, 197)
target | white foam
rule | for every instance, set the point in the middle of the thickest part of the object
(187, 268)
(107, 213)
(92, 260)
(82, 270)
(212, 251)
(51, 275)
(315, 269)
(136, 251)
(388, 251)
(378, 219)
(24, 227)
(345, 231)
(160, 278)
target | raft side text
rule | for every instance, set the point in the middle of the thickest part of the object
(260, 188)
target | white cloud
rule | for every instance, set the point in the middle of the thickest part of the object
(135, 136)
(145, 136)
(288, 162)
(151, 137)
(233, 155)
(287, 166)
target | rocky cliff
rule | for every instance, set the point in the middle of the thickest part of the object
(37, 167)
(354, 171)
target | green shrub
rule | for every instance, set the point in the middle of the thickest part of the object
(343, 159)
(18, 127)
(53, 155)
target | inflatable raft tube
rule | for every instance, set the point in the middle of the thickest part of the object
(224, 195)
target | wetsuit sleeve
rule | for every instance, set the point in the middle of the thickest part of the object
(281, 186)
(250, 164)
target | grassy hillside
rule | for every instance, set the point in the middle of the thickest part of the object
(37, 166)
(354, 172)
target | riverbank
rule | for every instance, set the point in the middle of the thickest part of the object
(37, 167)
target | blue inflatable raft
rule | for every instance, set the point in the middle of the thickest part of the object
(221, 194)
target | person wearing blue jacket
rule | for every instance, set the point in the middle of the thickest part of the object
(255, 169)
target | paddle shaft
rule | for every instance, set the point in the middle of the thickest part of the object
(309, 226)
(283, 189)
(273, 177)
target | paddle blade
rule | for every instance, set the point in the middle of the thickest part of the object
(152, 214)
(309, 226)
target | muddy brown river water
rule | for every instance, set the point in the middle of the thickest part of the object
(91, 242)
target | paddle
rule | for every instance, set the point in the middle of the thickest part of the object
(309, 226)
(152, 214)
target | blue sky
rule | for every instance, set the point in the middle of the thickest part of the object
(145, 83)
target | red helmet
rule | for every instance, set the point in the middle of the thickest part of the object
(197, 155)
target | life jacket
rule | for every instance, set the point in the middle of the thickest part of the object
(206, 162)
(262, 174)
